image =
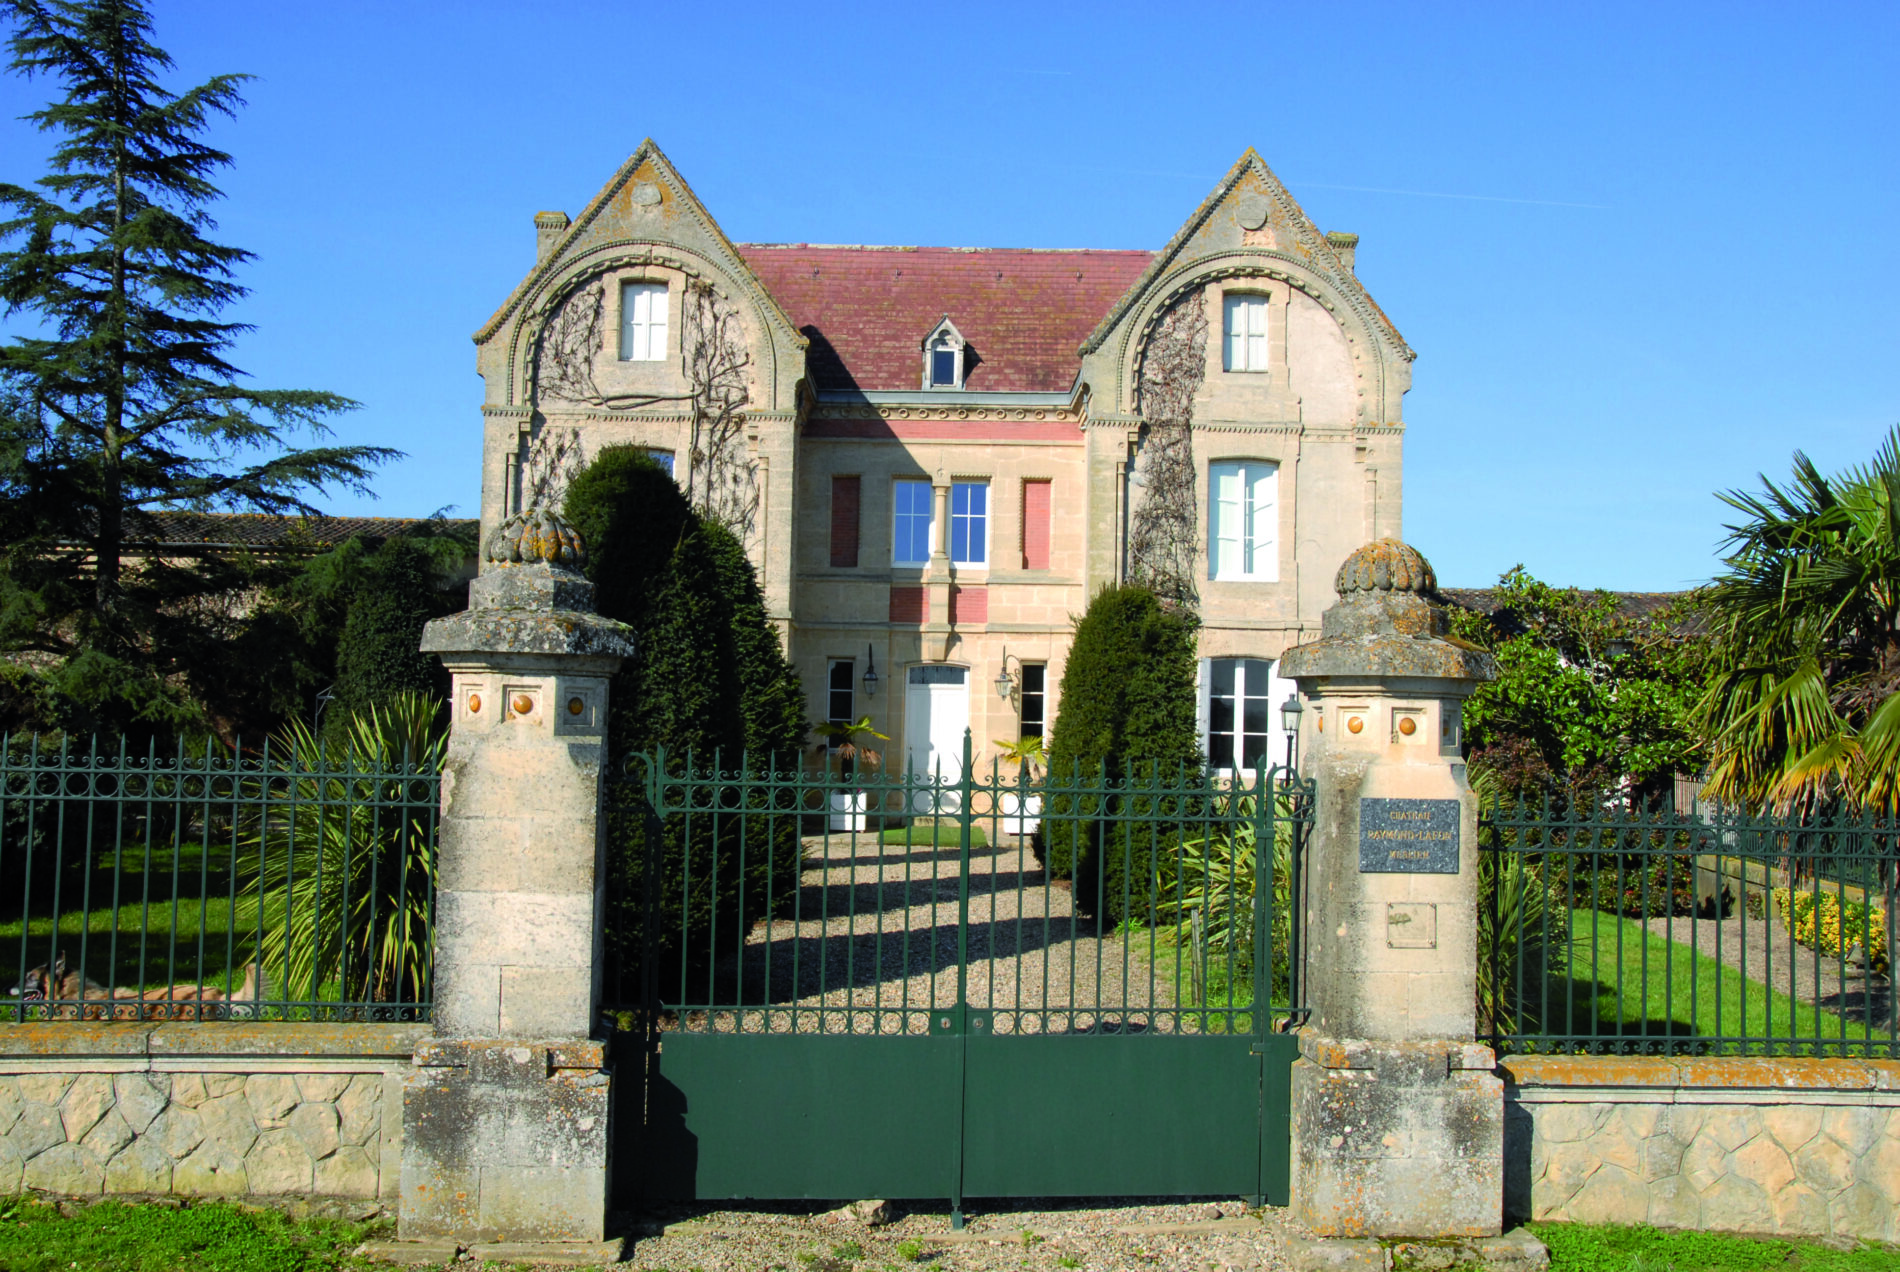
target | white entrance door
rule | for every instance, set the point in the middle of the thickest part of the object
(936, 714)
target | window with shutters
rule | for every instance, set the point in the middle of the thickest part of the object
(642, 322)
(1036, 510)
(1244, 331)
(910, 523)
(1243, 513)
(970, 522)
(844, 522)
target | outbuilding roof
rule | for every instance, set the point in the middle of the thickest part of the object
(262, 530)
(866, 310)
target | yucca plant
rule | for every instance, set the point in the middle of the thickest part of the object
(1213, 907)
(338, 880)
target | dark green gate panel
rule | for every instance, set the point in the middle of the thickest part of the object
(1095, 1116)
(782, 1116)
(1276, 1118)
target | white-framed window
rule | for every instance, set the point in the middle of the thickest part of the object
(1035, 699)
(1244, 332)
(642, 322)
(943, 356)
(664, 458)
(910, 522)
(943, 366)
(1240, 706)
(970, 522)
(841, 691)
(1243, 520)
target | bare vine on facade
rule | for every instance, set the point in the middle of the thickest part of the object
(722, 476)
(551, 459)
(1163, 534)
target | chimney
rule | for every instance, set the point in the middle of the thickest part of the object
(548, 228)
(1345, 247)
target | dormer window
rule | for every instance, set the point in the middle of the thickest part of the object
(943, 357)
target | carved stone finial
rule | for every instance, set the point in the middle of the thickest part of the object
(1388, 621)
(537, 535)
(1385, 565)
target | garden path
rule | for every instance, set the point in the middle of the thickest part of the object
(1767, 953)
(872, 947)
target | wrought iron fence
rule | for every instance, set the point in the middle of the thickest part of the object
(789, 901)
(1606, 929)
(196, 883)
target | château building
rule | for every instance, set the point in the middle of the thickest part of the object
(938, 454)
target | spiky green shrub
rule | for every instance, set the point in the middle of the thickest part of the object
(1523, 941)
(337, 880)
(1212, 905)
(1123, 754)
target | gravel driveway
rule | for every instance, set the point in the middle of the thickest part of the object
(872, 947)
(1163, 1236)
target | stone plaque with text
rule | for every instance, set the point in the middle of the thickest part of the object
(1408, 836)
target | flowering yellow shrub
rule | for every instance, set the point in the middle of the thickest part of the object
(1818, 923)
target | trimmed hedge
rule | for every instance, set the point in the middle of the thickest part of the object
(1127, 715)
(709, 682)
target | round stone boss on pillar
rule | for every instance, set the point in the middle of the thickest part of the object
(1398, 1117)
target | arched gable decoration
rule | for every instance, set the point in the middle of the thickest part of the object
(646, 207)
(1249, 226)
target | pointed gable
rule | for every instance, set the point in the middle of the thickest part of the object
(645, 200)
(1268, 217)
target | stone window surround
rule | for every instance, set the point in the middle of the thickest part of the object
(1283, 529)
(940, 491)
(944, 336)
(1279, 296)
(615, 282)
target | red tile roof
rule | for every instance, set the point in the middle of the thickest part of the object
(867, 309)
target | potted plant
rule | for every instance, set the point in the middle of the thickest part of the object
(1022, 811)
(846, 744)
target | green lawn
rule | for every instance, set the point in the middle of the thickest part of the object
(144, 903)
(1576, 1247)
(1624, 980)
(935, 833)
(210, 1237)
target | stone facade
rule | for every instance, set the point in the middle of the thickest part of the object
(1054, 356)
(205, 1110)
(1795, 1147)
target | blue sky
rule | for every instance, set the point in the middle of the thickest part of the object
(1644, 252)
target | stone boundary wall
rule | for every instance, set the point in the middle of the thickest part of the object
(1794, 1147)
(204, 1109)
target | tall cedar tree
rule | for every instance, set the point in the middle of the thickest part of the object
(1127, 715)
(119, 400)
(708, 679)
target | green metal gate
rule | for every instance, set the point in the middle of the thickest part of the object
(982, 987)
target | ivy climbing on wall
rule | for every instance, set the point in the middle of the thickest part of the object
(1163, 540)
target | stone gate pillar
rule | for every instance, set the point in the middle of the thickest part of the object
(505, 1134)
(1398, 1118)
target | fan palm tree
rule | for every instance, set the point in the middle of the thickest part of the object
(1804, 710)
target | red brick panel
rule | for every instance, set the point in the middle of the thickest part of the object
(1036, 525)
(910, 605)
(844, 523)
(969, 605)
